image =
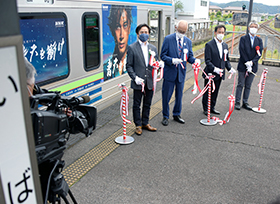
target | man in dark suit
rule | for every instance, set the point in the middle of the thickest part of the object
(176, 51)
(216, 60)
(140, 72)
(250, 49)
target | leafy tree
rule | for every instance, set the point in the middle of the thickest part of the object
(179, 6)
(219, 13)
(154, 14)
(225, 16)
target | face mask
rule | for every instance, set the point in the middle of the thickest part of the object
(143, 37)
(179, 35)
(253, 31)
(220, 36)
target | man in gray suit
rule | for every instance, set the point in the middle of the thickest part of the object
(140, 72)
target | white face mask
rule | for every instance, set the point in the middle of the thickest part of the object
(179, 35)
(220, 36)
(253, 31)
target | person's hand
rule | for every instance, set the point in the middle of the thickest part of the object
(176, 61)
(232, 71)
(161, 64)
(249, 64)
(218, 70)
(138, 80)
(249, 69)
(197, 61)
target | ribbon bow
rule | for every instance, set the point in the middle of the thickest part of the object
(258, 50)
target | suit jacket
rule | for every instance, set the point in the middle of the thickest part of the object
(213, 59)
(136, 65)
(170, 50)
(249, 53)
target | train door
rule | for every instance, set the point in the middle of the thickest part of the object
(154, 21)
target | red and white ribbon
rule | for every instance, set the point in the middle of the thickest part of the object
(218, 120)
(124, 108)
(154, 74)
(152, 57)
(208, 85)
(124, 103)
(258, 50)
(185, 55)
(262, 80)
(196, 67)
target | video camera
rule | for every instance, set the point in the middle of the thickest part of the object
(51, 125)
(53, 117)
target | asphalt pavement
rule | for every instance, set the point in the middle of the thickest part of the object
(233, 163)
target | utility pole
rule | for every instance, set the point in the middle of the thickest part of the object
(250, 14)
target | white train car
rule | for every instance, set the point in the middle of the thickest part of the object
(78, 47)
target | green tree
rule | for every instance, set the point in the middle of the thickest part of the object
(154, 14)
(219, 13)
(179, 6)
(225, 16)
(230, 15)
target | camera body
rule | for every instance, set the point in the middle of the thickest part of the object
(51, 125)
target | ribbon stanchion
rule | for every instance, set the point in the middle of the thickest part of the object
(124, 112)
(261, 90)
(209, 121)
(156, 67)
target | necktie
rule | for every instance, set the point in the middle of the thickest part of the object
(180, 47)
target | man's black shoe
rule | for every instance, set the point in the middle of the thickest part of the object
(178, 119)
(237, 106)
(247, 106)
(164, 121)
(215, 112)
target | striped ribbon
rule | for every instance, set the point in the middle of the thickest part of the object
(124, 103)
(261, 86)
(205, 88)
(154, 75)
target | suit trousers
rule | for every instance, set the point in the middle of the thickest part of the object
(167, 91)
(214, 94)
(147, 100)
(243, 80)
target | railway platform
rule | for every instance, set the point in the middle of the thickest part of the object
(233, 163)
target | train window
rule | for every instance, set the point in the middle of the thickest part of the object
(91, 40)
(45, 45)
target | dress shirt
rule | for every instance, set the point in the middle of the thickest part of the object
(252, 38)
(145, 51)
(220, 47)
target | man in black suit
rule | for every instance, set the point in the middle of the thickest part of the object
(139, 70)
(250, 49)
(216, 59)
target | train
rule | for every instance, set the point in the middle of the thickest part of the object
(240, 18)
(79, 47)
(277, 21)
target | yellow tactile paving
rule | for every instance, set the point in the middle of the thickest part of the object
(79, 168)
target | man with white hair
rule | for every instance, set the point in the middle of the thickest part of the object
(176, 51)
(30, 79)
(250, 49)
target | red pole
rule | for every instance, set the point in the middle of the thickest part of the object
(263, 84)
(124, 114)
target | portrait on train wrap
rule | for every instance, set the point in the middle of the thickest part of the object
(119, 24)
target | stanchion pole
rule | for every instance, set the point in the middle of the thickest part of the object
(124, 111)
(209, 121)
(259, 109)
